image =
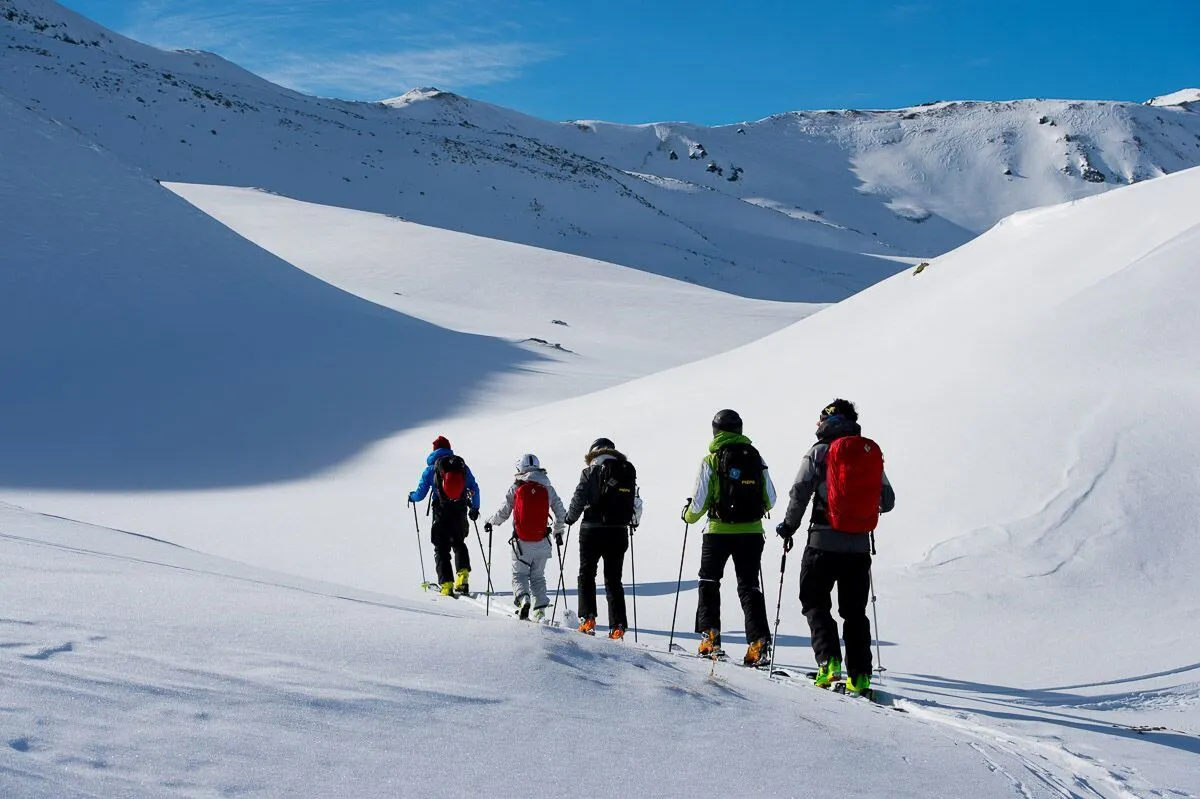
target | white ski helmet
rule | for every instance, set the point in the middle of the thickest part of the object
(527, 463)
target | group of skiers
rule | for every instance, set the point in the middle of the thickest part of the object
(841, 476)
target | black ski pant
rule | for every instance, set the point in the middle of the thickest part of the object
(449, 533)
(610, 544)
(851, 572)
(746, 550)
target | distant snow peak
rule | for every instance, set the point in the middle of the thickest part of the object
(1181, 97)
(418, 94)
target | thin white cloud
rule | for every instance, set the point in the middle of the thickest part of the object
(381, 75)
(333, 48)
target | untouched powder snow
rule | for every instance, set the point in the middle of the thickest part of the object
(144, 345)
(1176, 98)
(592, 323)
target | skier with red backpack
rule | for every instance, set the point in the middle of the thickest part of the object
(455, 500)
(735, 490)
(607, 501)
(530, 501)
(843, 476)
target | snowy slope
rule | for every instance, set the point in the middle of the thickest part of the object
(1036, 581)
(147, 670)
(164, 376)
(1176, 98)
(149, 346)
(815, 190)
(592, 323)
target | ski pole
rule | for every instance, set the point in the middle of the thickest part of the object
(562, 582)
(778, 605)
(558, 585)
(679, 582)
(874, 613)
(487, 567)
(633, 572)
(420, 549)
(487, 610)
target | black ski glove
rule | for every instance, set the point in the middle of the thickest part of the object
(474, 514)
(783, 532)
(487, 527)
(558, 539)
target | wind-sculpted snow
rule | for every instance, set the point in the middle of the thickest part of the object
(198, 676)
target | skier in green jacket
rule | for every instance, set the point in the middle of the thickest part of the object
(734, 489)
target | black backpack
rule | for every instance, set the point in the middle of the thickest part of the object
(618, 490)
(450, 483)
(740, 493)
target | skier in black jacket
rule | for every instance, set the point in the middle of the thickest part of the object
(607, 516)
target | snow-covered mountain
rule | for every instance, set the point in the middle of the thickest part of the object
(1036, 592)
(796, 206)
(247, 384)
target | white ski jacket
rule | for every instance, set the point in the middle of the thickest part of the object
(540, 477)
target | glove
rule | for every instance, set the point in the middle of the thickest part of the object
(558, 539)
(487, 527)
(412, 498)
(783, 532)
(474, 514)
(683, 512)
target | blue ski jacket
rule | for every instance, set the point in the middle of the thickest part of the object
(427, 483)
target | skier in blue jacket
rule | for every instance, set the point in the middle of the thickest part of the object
(447, 474)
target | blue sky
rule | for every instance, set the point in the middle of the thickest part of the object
(701, 61)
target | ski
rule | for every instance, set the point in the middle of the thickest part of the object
(875, 695)
(503, 609)
(721, 656)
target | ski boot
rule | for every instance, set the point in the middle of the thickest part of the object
(758, 653)
(461, 581)
(523, 611)
(828, 673)
(710, 644)
(588, 626)
(617, 633)
(859, 686)
(539, 615)
(447, 589)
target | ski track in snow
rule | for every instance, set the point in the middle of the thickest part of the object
(1036, 766)
(1049, 762)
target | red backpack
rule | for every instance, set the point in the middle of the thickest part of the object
(853, 484)
(531, 509)
(451, 472)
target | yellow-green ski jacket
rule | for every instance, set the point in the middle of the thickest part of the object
(706, 490)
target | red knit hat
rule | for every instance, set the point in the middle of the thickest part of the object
(441, 442)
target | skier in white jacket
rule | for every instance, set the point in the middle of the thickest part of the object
(530, 501)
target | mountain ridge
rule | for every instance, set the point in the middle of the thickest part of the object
(801, 206)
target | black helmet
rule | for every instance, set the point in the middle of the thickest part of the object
(727, 421)
(602, 443)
